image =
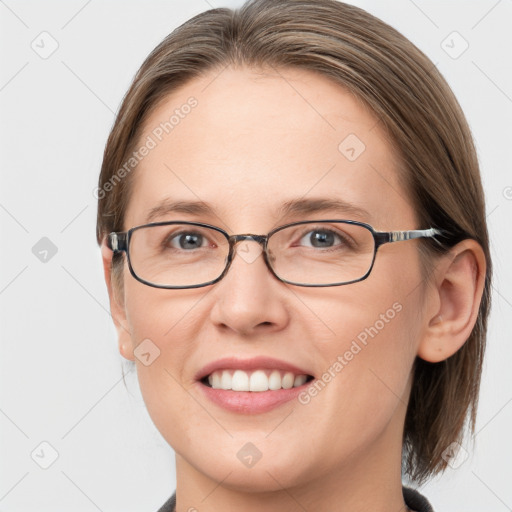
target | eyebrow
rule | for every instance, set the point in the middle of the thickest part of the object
(167, 206)
(288, 208)
(318, 205)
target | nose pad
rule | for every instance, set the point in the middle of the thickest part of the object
(249, 252)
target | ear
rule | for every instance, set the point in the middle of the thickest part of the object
(117, 309)
(453, 301)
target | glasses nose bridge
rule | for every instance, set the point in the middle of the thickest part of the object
(247, 255)
(260, 239)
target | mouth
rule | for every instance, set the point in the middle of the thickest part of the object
(258, 380)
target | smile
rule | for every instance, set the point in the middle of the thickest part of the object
(258, 380)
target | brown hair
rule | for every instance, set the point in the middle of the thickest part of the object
(416, 109)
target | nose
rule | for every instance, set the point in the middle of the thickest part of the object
(249, 298)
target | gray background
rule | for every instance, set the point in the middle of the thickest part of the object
(61, 374)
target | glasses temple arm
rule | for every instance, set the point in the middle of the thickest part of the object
(117, 241)
(383, 237)
(398, 236)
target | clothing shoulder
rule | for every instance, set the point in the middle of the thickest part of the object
(415, 501)
(169, 505)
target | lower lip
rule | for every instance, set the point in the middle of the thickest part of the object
(251, 402)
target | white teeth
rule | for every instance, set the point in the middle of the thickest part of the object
(258, 380)
(240, 381)
(225, 380)
(287, 381)
(274, 381)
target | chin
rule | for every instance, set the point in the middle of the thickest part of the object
(259, 479)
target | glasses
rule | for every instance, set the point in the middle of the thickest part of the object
(180, 254)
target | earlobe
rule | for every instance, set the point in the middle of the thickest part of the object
(117, 309)
(458, 284)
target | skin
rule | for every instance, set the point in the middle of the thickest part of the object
(255, 140)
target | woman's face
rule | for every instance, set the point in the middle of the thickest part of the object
(250, 143)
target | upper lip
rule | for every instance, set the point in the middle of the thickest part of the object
(254, 363)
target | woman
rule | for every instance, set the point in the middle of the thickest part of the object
(294, 242)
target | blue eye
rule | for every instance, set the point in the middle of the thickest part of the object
(320, 238)
(186, 240)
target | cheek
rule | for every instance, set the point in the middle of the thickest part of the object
(160, 315)
(383, 311)
(163, 324)
(365, 385)
(371, 339)
(371, 342)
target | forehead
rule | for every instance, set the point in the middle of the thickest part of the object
(246, 140)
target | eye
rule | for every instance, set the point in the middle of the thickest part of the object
(186, 240)
(321, 238)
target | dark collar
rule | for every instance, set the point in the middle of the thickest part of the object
(413, 499)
